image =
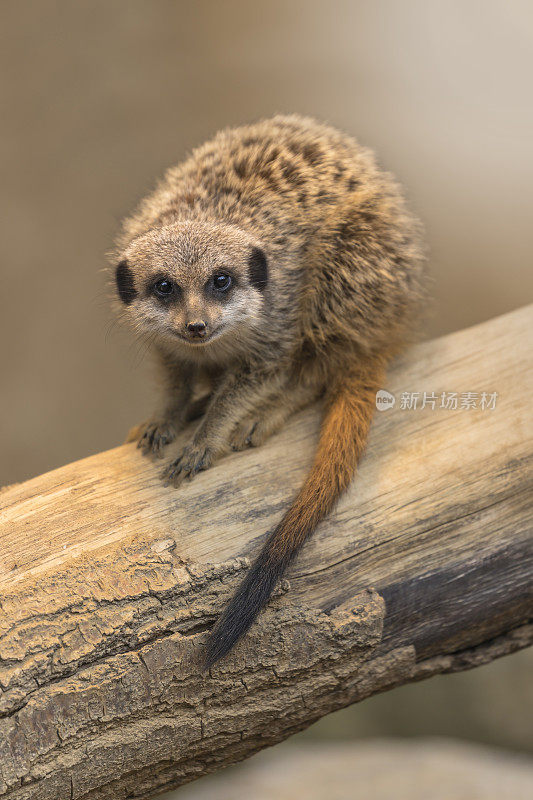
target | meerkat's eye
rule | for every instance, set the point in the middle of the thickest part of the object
(163, 288)
(221, 281)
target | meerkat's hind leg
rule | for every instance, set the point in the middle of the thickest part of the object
(258, 426)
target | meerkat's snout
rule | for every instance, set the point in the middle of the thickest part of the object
(197, 330)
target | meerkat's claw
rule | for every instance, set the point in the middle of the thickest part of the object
(254, 431)
(241, 437)
(154, 436)
(192, 460)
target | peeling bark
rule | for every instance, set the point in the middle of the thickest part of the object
(109, 583)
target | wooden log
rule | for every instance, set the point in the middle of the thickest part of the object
(109, 581)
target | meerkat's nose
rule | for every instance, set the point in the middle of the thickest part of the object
(197, 328)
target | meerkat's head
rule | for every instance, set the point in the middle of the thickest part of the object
(196, 287)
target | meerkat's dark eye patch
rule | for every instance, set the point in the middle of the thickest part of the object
(125, 285)
(258, 269)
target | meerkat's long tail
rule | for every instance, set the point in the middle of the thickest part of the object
(343, 435)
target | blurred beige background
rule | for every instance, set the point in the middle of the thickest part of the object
(99, 97)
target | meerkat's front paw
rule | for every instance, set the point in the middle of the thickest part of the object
(193, 459)
(153, 436)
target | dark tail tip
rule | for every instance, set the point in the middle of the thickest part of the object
(243, 608)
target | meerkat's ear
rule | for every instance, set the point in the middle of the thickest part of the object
(125, 285)
(258, 268)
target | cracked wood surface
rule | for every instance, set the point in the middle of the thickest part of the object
(108, 582)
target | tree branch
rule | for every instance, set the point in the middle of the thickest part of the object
(109, 580)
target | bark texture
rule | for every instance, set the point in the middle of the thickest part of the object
(109, 581)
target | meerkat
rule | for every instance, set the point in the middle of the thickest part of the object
(276, 265)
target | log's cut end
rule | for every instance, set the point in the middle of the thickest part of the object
(110, 582)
